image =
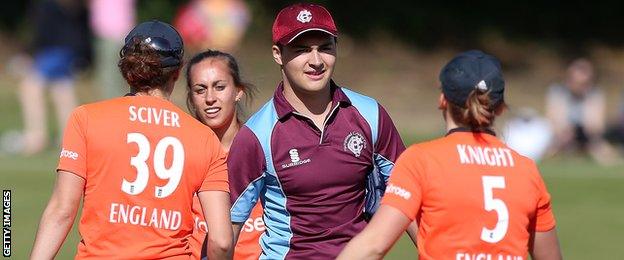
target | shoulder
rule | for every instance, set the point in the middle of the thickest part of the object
(358, 99)
(264, 119)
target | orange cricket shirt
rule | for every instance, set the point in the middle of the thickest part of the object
(472, 197)
(142, 159)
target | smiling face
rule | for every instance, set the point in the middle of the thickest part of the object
(308, 61)
(214, 94)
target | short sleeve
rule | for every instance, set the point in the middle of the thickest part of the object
(73, 155)
(246, 174)
(216, 179)
(404, 190)
(544, 217)
(389, 144)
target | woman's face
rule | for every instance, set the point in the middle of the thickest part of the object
(214, 94)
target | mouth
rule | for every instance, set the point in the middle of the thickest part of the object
(315, 74)
(212, 111)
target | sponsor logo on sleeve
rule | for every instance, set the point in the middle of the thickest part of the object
(396, 190)
(69, 154)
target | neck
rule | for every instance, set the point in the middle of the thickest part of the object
(310, 103)
(154, 93)
(226, 134)
(450, 124)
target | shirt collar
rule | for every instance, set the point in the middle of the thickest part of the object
(468, 130)
(283, 108)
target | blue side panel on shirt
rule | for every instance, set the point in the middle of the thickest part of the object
(241, 209)
(383, 165)
(275, 241)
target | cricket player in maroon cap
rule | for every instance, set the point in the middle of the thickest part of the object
(316, 155)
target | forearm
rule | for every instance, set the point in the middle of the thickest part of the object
(54, 226)
(362, 247)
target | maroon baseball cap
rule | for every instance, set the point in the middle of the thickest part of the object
(297, 19)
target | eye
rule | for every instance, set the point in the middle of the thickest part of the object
(301, 50)
(219, 87)
(199, 91)
(327, 48)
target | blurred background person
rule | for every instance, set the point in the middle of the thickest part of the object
(214, 24)
(110, 21)
(615, 133)
(528, 133)
(576, 109)
(61, 46)
(215, 94)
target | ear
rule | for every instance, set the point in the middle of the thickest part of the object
(239, 94)
(442, 103)
(277, 55)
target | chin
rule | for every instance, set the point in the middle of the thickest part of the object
(213, 123)
(316, 86)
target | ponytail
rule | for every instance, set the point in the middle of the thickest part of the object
(478, 112)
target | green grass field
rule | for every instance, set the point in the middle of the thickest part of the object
(587, 203)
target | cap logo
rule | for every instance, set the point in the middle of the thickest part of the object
(481, 86)
(304, 16)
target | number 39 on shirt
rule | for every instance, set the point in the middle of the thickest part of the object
(139, 162)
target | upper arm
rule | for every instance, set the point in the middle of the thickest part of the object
(545, 245)
(67, 193)
(216, 177)
(389, 144)
(216, 207)
(544, 216)
(246, 174)
(404, 190)
(73, 156)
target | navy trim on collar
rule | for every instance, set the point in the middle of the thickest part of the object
(470, 130)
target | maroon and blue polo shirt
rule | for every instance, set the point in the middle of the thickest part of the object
(311, 182)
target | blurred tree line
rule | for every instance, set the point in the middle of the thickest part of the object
(426, 23)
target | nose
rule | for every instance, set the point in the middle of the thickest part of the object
(316, 61)
(210, 96)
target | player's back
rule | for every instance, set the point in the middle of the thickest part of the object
(479, 198)
(143, 158)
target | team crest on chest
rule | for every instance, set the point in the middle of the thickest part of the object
(355, 143)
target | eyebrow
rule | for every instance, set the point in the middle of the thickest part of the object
(328, 43)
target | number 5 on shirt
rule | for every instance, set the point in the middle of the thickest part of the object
(498, 233)
(173, 173)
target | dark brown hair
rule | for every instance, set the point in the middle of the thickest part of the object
(478, 113)
(248, 88)
(140, 65)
